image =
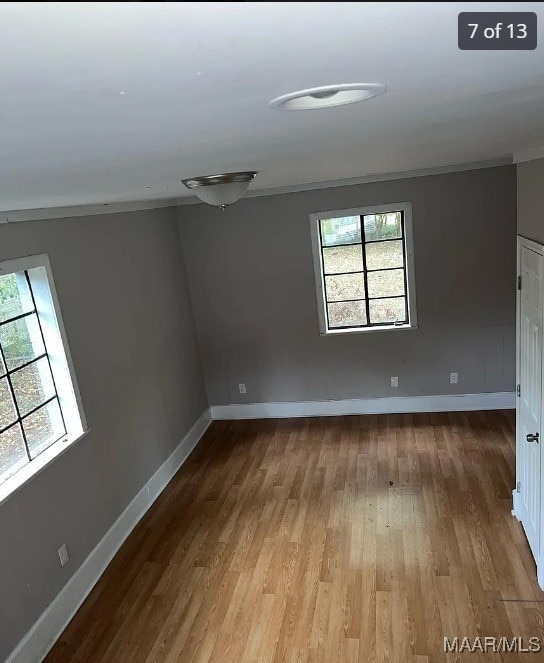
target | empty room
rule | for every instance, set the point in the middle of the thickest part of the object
(271, 332)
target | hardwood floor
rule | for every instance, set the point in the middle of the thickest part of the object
(323, 540)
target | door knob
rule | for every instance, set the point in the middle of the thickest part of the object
(532, 438)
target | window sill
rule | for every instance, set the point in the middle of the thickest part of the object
(10, 486)
(366, 330)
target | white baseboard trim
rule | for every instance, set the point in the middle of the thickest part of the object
(46, 631)
(449, 403)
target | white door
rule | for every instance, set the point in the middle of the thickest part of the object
(530, 403)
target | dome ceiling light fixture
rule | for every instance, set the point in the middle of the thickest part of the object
(220, 190)
(327, 96)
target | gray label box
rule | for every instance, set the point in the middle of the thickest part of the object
(497, 31)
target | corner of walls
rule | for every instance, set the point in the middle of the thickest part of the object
(530, 184)
(52, 622)
(179, 215)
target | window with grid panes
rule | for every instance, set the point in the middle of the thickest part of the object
(37, 399)
(364, 268)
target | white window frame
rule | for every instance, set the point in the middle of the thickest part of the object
(315, 217)
(40, 275)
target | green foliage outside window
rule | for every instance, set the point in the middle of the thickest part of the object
(14, 337)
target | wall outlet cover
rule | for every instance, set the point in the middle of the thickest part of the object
(63, 555)
(394, 382)
(454, 378)
(242, 388)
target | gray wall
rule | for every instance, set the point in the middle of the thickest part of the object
(252, 282)
(530, 195)
(123, 294)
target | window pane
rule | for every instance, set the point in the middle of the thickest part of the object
(32, 385)
(43, 428)
(12, 452)
(347, 314)
(343, 259)
(8, 413)
(383, 226)
(384, 254)
(346, 286)
(346, 230)
(388, 310)
(386, 284)
(14, 296)
(21, 341)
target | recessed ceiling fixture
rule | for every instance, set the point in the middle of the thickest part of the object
(327, 96)
(220, 190)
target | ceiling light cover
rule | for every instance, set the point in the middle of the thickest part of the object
(327, 96)
(220, 190)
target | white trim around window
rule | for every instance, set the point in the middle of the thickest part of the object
(410, 321)
(55, 360)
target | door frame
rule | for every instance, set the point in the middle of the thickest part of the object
(524, 242)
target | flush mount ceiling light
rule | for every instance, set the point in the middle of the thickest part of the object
(220, 190)
(327, 96)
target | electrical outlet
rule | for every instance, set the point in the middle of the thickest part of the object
(394, 382)
(63, 555)
(242, 388)
(454, 378)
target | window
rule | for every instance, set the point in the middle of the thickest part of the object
(364, 267)
(39, 402)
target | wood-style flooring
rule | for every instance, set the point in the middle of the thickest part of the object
(335, 539)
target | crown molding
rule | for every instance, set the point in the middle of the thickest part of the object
(366, 179)
(43, 213)
(529, 155)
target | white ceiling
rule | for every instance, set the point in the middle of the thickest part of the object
(104, 102)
